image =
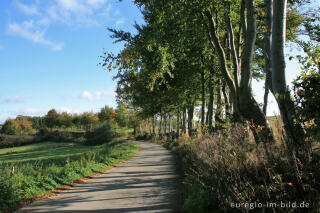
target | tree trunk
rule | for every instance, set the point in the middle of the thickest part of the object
(178, 124)
(211, 99)
(160, 125)
(226, 100)
(190, 119)
(267, 54)
(294, 132)
(265, 98)
(165, 123)
(170, 123)
(184, 115)
(217, 116)
(203, 96)
(250, 109)
(154, 124)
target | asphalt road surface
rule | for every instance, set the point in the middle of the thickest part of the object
(146, 183)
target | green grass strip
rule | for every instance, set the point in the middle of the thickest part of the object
(25, 181)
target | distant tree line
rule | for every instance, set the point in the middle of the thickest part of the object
(24, 125)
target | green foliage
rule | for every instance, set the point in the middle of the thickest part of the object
(307, 95)
(307, 88)
(20, 182)
(106, 114)
(52, 118)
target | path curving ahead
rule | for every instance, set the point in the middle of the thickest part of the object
(146, 183)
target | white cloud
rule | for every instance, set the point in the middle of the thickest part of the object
(98, 95)
(117, 12)
(32, 112)
(106, 11)
(28, 31)
(120, 21)
(86, 95)
(96, 3)
(74, 6)
(14, 99)
(27, 9)
(69, 111)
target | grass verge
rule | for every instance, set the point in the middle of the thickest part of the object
(22, 182)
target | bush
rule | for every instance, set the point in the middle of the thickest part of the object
(99, 135)
(60, 136)
(307, 95)
(14, 140)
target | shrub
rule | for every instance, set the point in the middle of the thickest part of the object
(60, 136)
(307, 95)
(99, 135)
(14, 140)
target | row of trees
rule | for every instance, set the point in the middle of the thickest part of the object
(29, 125)
(203, 53)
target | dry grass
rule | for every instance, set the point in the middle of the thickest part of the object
(225, 168)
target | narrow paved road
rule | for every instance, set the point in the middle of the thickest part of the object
(146, 183)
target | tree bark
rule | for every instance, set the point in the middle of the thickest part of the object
(218, 112)
(154, 125)
(184, 115)
(226, 100)
(160, 125)
(190, 119)
(294, 132)
(250, 109)
(211, 99)
(178, 124)
(165, 123)
(203, 97)
(267, 54)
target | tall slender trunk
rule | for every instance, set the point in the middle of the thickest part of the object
(294, 132)
(170, 123)
(160, 125)
(265, 98)
(165, 123)
(184, 115)
(217, 116)
(203, 96)
(226, 100)
(211, 99)
(154, 125)
(190, 120)
(178, 124)
(267, 54)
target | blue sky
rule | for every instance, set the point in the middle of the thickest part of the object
(49, 54)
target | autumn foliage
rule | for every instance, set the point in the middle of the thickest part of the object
(17, 127)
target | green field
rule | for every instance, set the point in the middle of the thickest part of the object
(44, 151)
(31, 171)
